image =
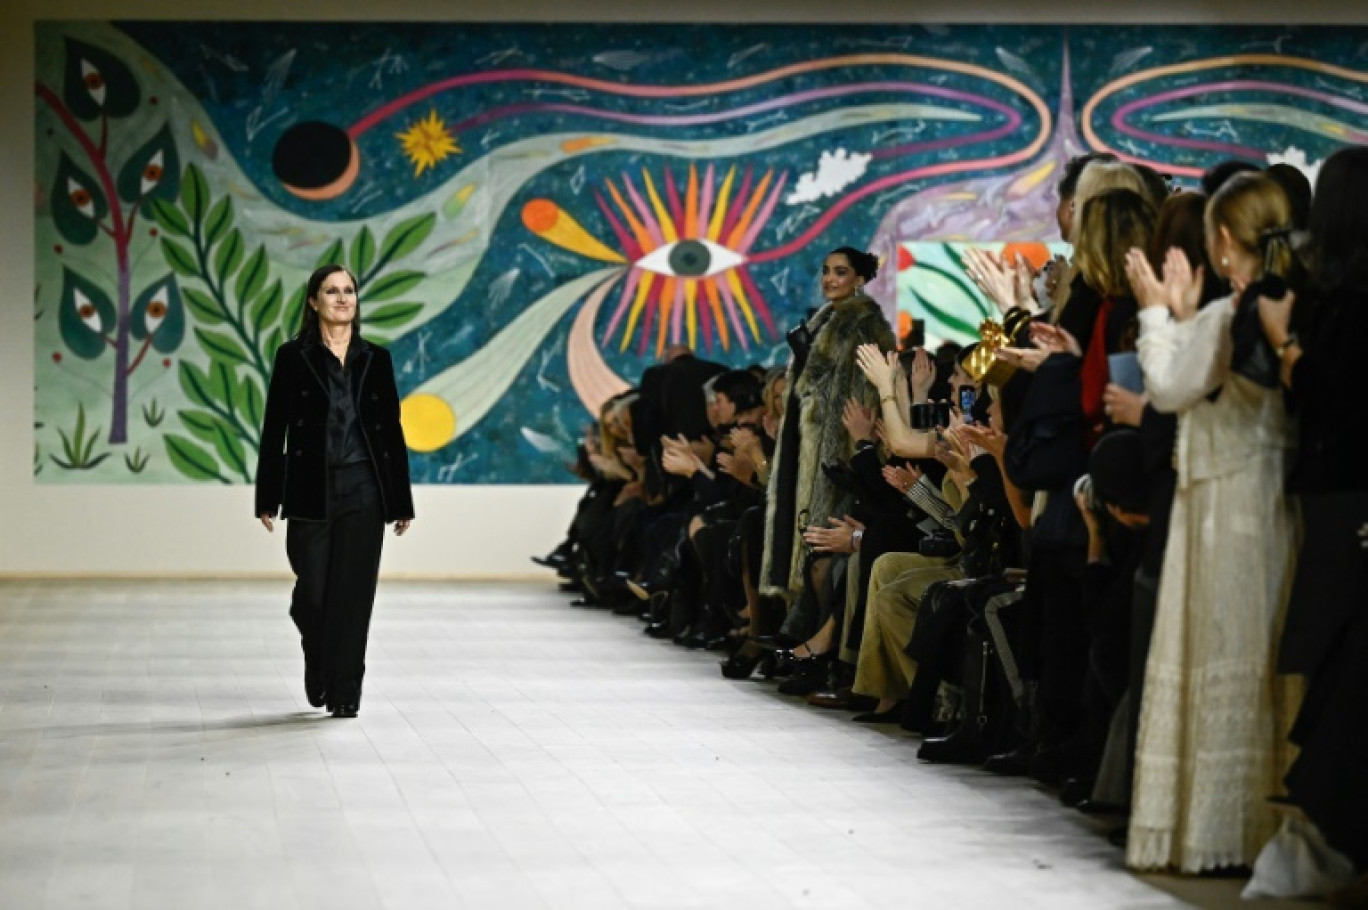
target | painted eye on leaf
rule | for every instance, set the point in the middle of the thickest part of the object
(93, 81)
(80, 197)
(158, 313)
(690, 259)
(153, 170)
(97, 82)
(77, 203)
(85, 316)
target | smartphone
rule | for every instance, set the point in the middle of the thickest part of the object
(967, 396)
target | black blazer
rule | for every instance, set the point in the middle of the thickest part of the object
(292, 469)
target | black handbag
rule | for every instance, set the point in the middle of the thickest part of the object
(1252, 356)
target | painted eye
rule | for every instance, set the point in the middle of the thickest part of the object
(86, 310)
(156, 312)
(81, 198)
(94, 82)
(696, 258)
(152, 172)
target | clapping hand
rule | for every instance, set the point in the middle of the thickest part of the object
(986, 438)
(858, 420)
(1123, 406)
(901, 478)
(838, 538)
(923, 376)
(879, 369)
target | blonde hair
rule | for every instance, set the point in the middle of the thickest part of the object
(1100, 177)
(1108, 226)
(1255, 210)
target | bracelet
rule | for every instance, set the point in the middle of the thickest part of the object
(855, 537)
(888, 398)
(1281, 350)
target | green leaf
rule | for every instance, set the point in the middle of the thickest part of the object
(290, 322)
(153, 171)
(331, 255)
(252, 402)
(221, 382)
(196, 384)
(181, 260)
(230, 449)
(194, 193)
(363, 252)
(97, 83)
(219, 221)
(393, 284)
(390, 316)
(169, 217)
(267, 308)
(205, 308)
(201, 423)
(191, 460)
(406, 236)
(229, 255)
(222, 347)
(78, 204)
(252, 278)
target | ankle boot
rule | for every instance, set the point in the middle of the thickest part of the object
(968, 745)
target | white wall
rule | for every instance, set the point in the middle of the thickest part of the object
(461, 531)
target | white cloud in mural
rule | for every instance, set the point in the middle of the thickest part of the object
(1297, 158)
(835, 171)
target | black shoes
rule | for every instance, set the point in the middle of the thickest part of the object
(345, 710)
(314, 691)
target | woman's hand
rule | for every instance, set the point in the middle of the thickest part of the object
(680, 461)
(838, 538)
(1149, 291)
(739, 466)
(1054, 339)
(923, 376)
(744, 441)
(1183, 285)
(1028, 359)
(267, 522)
(1123, 406)
(986, 438)
(878, 369)
(901, 478)
(954, 459)
(858, 420)
(401, 526)
(996, 279)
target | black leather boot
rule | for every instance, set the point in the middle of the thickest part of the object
(969, 744)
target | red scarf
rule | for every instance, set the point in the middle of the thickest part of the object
(1096, 374)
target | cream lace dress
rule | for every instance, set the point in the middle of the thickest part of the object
(1210, 750)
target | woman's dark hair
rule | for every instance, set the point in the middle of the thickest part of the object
(1338, 249)
(741, 386)
(1181, 225)
(1216, 175)
(1296, 188)
(866, 265)
(308, 319)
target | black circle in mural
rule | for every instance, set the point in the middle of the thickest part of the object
(313, 157)
(690, 258)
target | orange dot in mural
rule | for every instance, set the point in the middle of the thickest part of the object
(1037, 254)
(904, 323)
(905, 258)
(540, 215)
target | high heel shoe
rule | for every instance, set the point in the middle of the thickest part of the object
(745, 662)
(807, 673)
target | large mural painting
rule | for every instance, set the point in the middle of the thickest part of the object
(534, 212)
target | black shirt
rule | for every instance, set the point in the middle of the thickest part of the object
(346, 445)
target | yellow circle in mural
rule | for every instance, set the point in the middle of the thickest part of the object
(429, 422)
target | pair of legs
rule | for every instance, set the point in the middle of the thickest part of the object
(336, 563)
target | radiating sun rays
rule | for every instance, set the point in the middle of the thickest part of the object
(427, 142)
(686, 253)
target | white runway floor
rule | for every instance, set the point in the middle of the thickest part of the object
(512, 752)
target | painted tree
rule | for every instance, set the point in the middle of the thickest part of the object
(97, 200)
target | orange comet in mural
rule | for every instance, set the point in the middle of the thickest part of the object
(686, 252)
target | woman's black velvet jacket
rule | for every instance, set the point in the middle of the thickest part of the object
(292, 470)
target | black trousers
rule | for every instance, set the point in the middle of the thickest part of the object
(336, 563)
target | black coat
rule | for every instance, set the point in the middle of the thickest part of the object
(292, 470)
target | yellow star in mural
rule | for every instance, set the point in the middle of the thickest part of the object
(427, 142)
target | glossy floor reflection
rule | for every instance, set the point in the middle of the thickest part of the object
(156, 751)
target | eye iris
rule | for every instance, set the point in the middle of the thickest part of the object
(690, 258)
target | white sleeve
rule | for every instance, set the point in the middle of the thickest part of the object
(1183, 362)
